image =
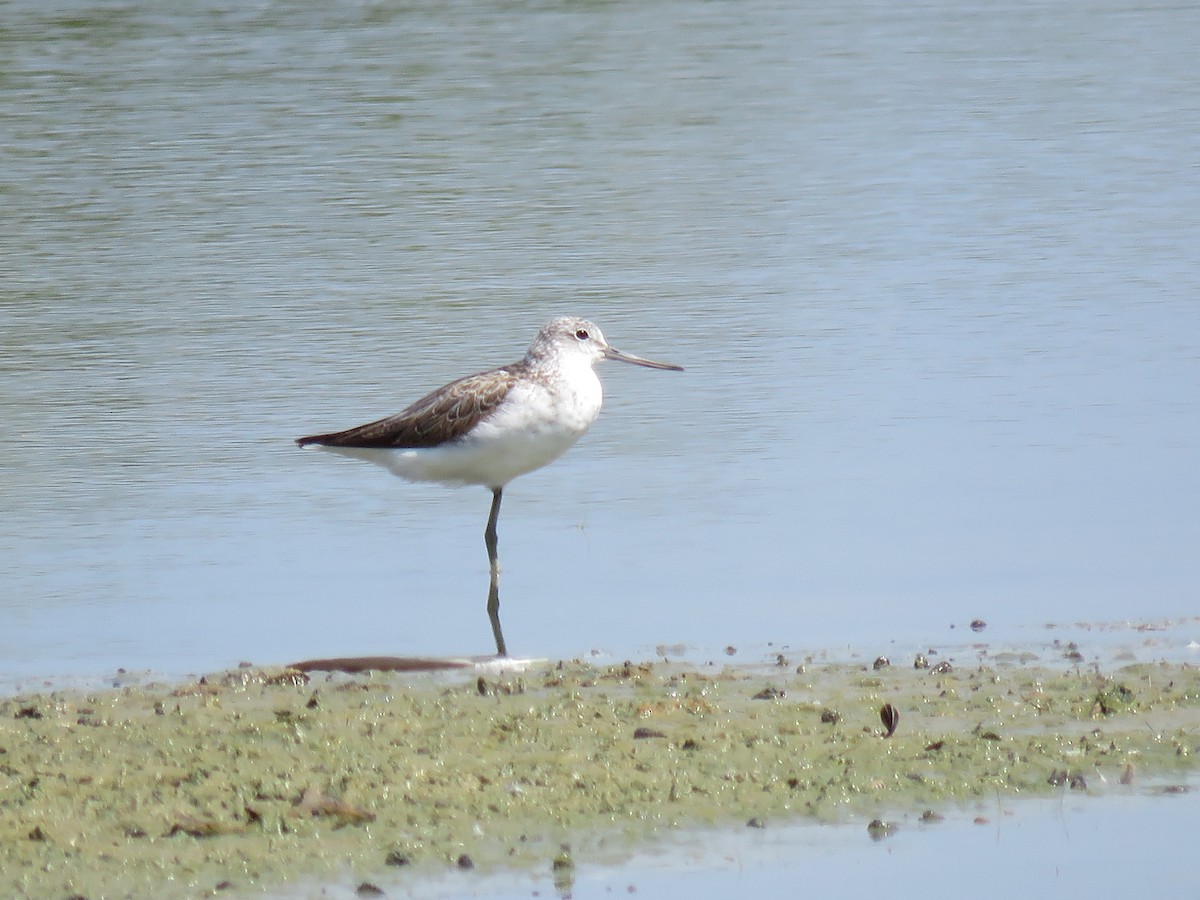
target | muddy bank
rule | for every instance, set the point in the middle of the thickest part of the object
(253, 779)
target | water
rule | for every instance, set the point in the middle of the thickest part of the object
(1062, 847)
(931, 271)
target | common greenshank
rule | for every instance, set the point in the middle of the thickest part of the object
(488, 428)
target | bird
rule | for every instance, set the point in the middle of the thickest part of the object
(491, 427)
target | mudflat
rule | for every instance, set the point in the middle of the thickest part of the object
(254, 779)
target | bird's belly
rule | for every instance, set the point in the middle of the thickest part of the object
(493, 453)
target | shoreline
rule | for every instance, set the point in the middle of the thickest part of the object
(255, 779)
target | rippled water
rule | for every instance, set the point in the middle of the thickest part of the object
(931, 271)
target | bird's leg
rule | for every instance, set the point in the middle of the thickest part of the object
(493, 604)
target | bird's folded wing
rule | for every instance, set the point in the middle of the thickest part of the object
(437, 418)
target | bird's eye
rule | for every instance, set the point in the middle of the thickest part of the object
(582, 334)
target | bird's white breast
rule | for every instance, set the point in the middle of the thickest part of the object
(537, 423)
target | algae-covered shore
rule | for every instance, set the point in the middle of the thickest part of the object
(254, 779)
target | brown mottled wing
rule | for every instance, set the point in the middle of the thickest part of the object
(437, 418)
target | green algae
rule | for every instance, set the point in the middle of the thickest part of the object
(255, 779)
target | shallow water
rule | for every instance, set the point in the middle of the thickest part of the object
(931, 271)
(1062, 847)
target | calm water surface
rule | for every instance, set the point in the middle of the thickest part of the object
(1061, 847)
(931, 269)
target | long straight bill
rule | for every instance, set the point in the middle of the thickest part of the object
(614, 353)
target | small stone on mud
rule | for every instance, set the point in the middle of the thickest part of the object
(563, 860)
(769, 693)
(204, 827)
(316, 803)
(465, 862)
(890, 716)
(366, 889)
(879, 829)
(640, 734)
